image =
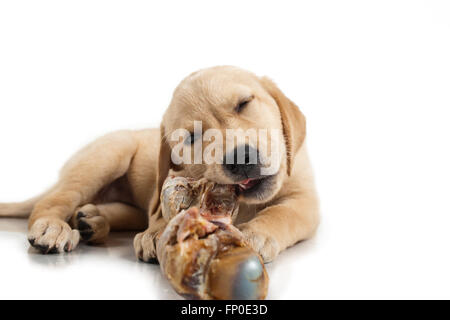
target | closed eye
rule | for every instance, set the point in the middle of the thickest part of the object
(190, 139)
(243, 104)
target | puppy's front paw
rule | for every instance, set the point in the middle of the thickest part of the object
(145, 246)
(264, 244)
(53, 235)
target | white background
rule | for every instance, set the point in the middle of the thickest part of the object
(372, 77)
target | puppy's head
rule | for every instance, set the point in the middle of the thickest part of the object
(232, 127)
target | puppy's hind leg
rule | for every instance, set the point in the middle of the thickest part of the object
(93, 168)
(93, 227)
(95, 221)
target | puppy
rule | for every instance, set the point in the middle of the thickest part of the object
(114, 183)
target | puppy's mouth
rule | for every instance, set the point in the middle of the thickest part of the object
(254, 187)
(248, 184)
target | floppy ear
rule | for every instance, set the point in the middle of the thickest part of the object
(294, 122)
(164, 165)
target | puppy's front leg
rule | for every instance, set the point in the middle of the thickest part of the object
(93, 168)
(145, 242)
(282, 225)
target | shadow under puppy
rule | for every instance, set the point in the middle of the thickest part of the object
(114, 183)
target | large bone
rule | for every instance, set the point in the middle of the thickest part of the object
(200, 252)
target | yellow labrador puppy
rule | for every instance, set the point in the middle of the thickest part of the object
(114, 183)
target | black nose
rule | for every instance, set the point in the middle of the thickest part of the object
(242, 162)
